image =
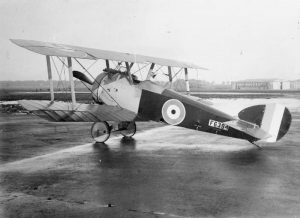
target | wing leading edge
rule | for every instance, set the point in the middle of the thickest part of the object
(62, 111)
(53, 49)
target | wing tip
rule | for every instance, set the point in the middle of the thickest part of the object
(13, 40)
(18, 42)
(202, 68)
(194, 66)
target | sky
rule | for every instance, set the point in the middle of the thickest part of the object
(234, 39)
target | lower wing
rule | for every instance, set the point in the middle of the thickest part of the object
(64, 112)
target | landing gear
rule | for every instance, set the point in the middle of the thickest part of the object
(100, 131)
(128, 129)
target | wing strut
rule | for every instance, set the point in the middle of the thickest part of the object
(50, 77)
(187, 83)
(71, 82)
(150, 72)
(170, 76)
(128, 72)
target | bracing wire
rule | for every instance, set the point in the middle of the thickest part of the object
(97, 82)
(65, 89)
(177, 73)
(64, 66)
(157, 69)
(139, 70)
(91, 92)
(65, 78)
(92, 64)
(63, 81)
(59, 75)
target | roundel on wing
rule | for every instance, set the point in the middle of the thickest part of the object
(173, 112)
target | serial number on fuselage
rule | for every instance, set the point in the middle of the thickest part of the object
(218, 125)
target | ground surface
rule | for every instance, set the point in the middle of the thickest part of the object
(51, 170)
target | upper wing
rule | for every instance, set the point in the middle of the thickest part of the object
(52, 49)
(62, 111)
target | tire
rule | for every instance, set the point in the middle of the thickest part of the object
(130, 131)
(100, 131)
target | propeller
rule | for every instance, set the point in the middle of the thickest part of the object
(82, 77)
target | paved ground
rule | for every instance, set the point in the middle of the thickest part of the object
(54, 170)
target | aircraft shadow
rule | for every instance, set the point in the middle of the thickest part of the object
(246, 157)
(114, 157)
(128, 143)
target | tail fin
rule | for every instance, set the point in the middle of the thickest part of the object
(274, 119)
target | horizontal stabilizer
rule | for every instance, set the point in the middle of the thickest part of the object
(62, 111)
(250, 129)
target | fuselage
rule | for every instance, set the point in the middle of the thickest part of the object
(150, 101)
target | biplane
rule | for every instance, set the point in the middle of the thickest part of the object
(120, 98)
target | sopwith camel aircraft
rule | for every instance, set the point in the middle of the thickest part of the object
(121, 99)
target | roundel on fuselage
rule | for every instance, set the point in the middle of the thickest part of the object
(173, 112)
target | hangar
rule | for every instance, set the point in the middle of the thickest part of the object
(261, 84)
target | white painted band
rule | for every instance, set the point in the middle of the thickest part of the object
(272, 120)
(173, 112)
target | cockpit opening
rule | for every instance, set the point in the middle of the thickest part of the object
(118, 74)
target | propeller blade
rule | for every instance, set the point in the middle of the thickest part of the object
(82, 77)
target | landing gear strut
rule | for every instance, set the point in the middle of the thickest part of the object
(100, 131)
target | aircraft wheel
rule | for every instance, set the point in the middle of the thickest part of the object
(130, 130)
(100, 131)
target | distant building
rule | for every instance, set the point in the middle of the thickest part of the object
(261, 84)
(285, 85)
(295, 84)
